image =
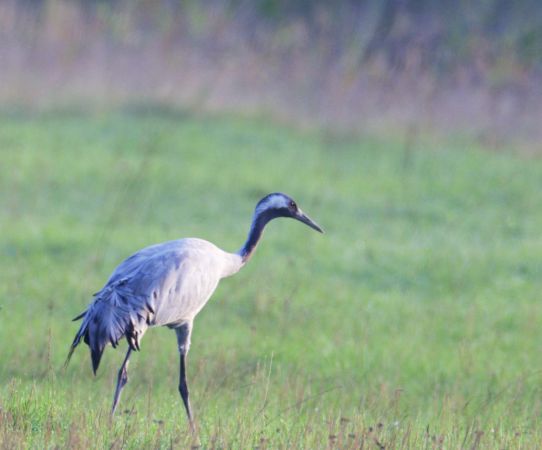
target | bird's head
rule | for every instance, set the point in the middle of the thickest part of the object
(280, 205)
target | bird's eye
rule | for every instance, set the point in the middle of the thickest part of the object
(292, 205)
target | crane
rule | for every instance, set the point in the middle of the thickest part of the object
(168, 284)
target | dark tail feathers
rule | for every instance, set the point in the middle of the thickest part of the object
(77, 340)
(103, 324)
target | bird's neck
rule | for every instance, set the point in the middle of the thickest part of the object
(259, 222)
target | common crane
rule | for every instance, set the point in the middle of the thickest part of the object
(168, 284)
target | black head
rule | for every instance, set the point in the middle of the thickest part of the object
(280, 205)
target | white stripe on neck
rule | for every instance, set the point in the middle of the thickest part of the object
(272, 202)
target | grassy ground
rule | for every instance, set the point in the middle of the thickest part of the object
(413, 323)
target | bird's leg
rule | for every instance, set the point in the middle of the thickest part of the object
(183, 340)
(183, 389)
(121, 381)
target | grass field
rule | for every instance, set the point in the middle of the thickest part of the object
(414, 322)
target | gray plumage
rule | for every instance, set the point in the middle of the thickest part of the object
(168, 284)
(164, 284)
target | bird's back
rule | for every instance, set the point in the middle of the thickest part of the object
(174, 278)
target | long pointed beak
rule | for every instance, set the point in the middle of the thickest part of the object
(302, 217)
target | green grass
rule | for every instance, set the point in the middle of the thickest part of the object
(414, 322)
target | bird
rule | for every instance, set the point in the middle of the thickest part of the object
(168, 284)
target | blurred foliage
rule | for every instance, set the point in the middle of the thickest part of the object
(446, 33)
(443, 65)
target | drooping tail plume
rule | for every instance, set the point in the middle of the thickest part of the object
(108, 319)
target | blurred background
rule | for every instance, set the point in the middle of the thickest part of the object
(409, 129)
(418, 65)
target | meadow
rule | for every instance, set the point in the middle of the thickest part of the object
(414, 322)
